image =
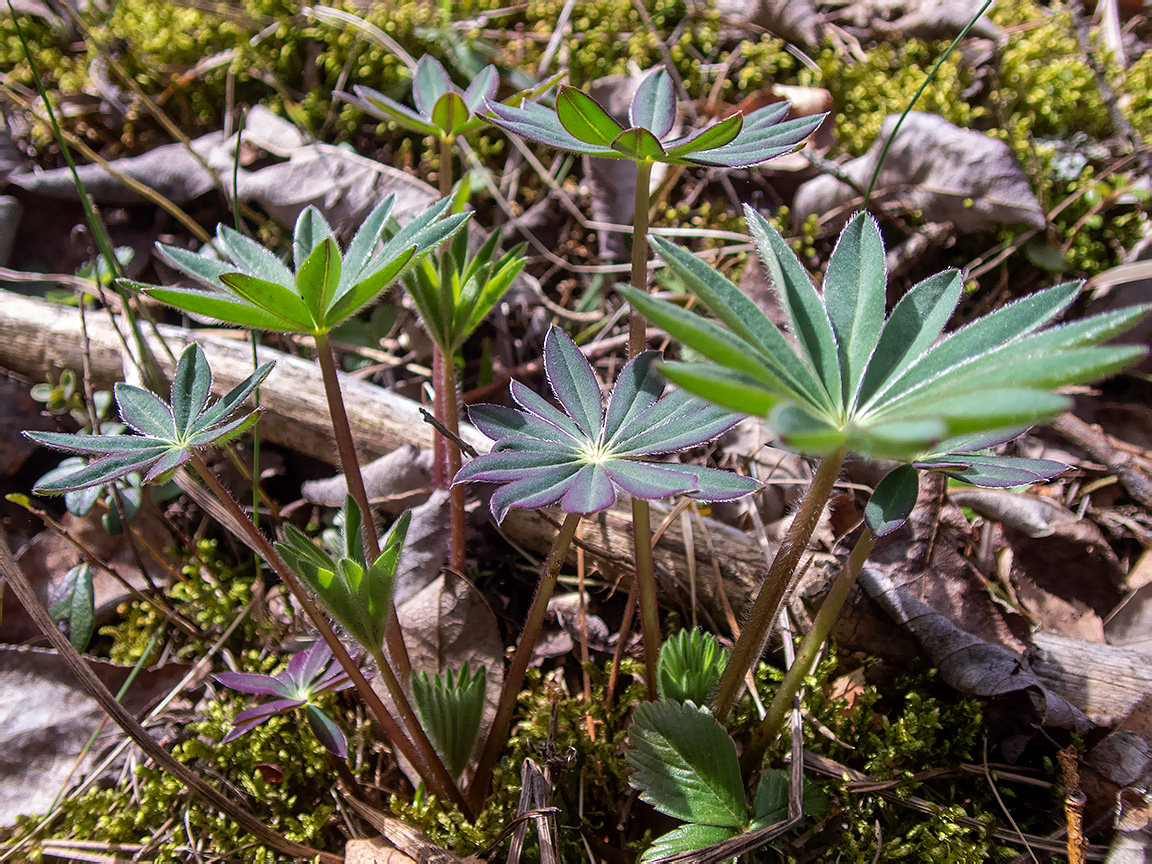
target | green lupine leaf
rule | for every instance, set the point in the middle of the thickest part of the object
(254, 258)
(482, 88)
(805, 432)
(297, 544)
(855, 288)
(270, 296)
(191, 387)
(996, 472)
(360, 249)
(803, 306)
(899, 439)
(450, 114)
(653, 106)
(689, 666)
(734, 390)
(638, 144)
(450, 710)
(318, 280)
(375, 102)
(913, 326)
(311, 230)
(430, 82)
(102, 471)
(232, 399)
(758, 143)
(685, 765)
(573, 382)
(163, 468)
(537, 123)
(76, 603)
(200, 267)
(424, 285)
(367, 289)
(732, 306)
(585, 119)
(213, 304)
(687, 838)
(996, 408)
(492, 289)
(144, 411)
(383, 570)
(94, 444)
(893, 501)
(708, 138)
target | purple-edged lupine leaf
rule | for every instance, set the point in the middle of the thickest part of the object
(646, 480)
(255, 683)
(375, 102)
(102, 471)
(256, 718)
(637, 388)
(223, 432)
(145, 412)
(708, 138)
(690, 429)
(267, 709)
(499, 422)
(164, 467)
(506, 466)
(584, 118)
(893, 501)
(978, 441)
(430, 82)
(766, 117)
(996, 472)
(326, 731)
(537, 123)
(546, 487)
(572, 380)
(756, 144)
(95, 444)
(538, 405)
(482, 88)
(191, 387)
(712, 484)
(654, 104)
(233, 398)
(516, 444)
(591, 491)
(304, 666)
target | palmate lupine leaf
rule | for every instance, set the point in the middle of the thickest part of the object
(886, 387)
(256, 290)
(583, 455)
(309, 674)
(442, 109)
(450, 708)
(582, 125)
(169, 432)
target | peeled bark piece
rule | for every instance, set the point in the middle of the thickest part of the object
(947, 173)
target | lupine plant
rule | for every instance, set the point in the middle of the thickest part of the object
(580, 124)
(451, 707)
(875, 386)
(308, 675)
(582, 455)
(454, 297)
(690, 665)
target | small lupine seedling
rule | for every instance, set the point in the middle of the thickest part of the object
(581, 455)
(309, 674)
(872, 385)
(169, 432)
(581, 125)
(690, 665)
(357, 594)
(450, 707)
(684, 764)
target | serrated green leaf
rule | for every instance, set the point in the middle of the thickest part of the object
(687, 838)
(585, 119)
(653, 106)
(639, 145)
(803, 306)
(685, 765)
(892, 502)
(855, 289)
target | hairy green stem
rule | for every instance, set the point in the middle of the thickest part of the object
(417, 750)
(775, 585)
(641, 520)
(514, 677)
(801, 667)
(346, 447)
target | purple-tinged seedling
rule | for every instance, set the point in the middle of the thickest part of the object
(169, 432)
(583, 455)
(309, 674)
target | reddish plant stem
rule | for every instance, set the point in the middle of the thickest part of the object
(346, 447)
(514, 677)
(772, 590)
(417, 750)
(451, 421)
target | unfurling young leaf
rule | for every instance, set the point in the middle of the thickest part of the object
(169, 431)
(690, 664)
(450, 709)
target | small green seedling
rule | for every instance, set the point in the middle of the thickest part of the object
(690, 664)
(169, 432)
(684, 764)
(450, 707)
(309, 674)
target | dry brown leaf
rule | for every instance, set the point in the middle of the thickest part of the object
(791, 20)
(375, 851)
(946, 173)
